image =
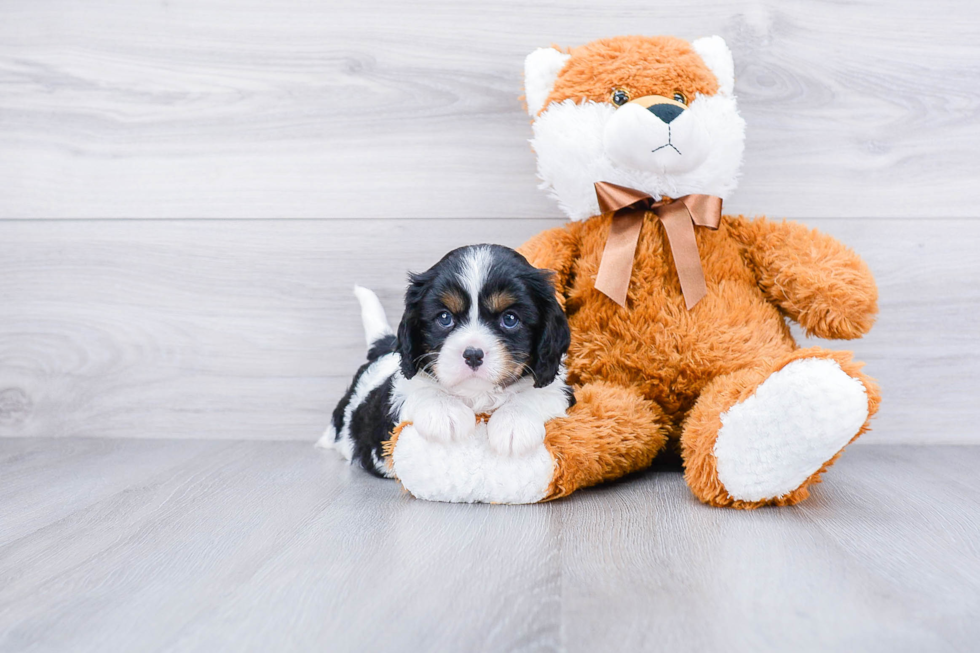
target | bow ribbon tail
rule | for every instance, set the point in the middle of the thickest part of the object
(678, 218)
(616, 266)
(678, 222)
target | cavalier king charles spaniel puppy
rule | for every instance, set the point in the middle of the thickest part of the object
(482, 334)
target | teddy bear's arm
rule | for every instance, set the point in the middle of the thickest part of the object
(554, 249)
(812, 277)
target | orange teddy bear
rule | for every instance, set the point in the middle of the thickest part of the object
(678, 313)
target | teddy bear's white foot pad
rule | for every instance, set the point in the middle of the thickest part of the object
(802, 415)
(468, 471)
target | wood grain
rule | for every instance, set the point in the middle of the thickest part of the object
(222, 108)
(248, 329)
(865, 565)
(187, 329)
(274, 545)
(277, 545)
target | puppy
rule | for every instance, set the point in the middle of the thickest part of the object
(482, 334)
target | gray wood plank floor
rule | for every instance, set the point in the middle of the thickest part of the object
(156, 545)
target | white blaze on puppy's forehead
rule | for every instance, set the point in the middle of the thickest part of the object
(475, 267)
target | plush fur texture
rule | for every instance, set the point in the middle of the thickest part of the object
(654, 372)
(703, 424)
(540, 70)
(469, 471)
(795, 421)
(581, 137)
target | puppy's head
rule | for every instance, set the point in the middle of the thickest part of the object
(482, 317)
(653, 113)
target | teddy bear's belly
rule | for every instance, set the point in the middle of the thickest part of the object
(669, 353)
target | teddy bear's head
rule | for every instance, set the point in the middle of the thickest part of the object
(657, 114)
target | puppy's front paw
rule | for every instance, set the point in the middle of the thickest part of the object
(512, 433)
(445, 421)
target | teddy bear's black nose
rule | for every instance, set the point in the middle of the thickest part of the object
(665, 112)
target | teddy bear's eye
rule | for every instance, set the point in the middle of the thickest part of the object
(620, 97)
(679, 97)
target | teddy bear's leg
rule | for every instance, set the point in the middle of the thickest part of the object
(760, 436)
(609, 432)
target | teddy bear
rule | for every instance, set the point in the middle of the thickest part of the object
(678, 313)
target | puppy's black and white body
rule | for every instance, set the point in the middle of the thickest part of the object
(482, 334)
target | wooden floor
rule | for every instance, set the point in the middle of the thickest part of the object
(192, 545)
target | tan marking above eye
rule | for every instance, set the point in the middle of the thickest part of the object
(453, 301)
(500, 301)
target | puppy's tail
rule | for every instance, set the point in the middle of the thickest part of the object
(373, 316)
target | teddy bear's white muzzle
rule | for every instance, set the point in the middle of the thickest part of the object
(637, 137)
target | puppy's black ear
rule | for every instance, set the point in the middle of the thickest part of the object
(410, 340)
(553, 336)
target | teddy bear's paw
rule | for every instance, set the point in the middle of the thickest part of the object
(444, 421)
(796, 421)
(513, 433)
(468, 471)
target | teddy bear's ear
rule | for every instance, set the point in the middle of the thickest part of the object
(541, 69)
(715, 53)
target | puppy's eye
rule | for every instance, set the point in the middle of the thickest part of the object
(620, 97)
(679, 97)
(509, 321)
(445, 320)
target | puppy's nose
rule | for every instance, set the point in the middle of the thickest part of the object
(665, 112)
(474, 357)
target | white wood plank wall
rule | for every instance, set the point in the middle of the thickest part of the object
(189, 189)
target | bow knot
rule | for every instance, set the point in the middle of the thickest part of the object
(678, 218)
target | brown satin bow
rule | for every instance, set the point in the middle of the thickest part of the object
(678, 218)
